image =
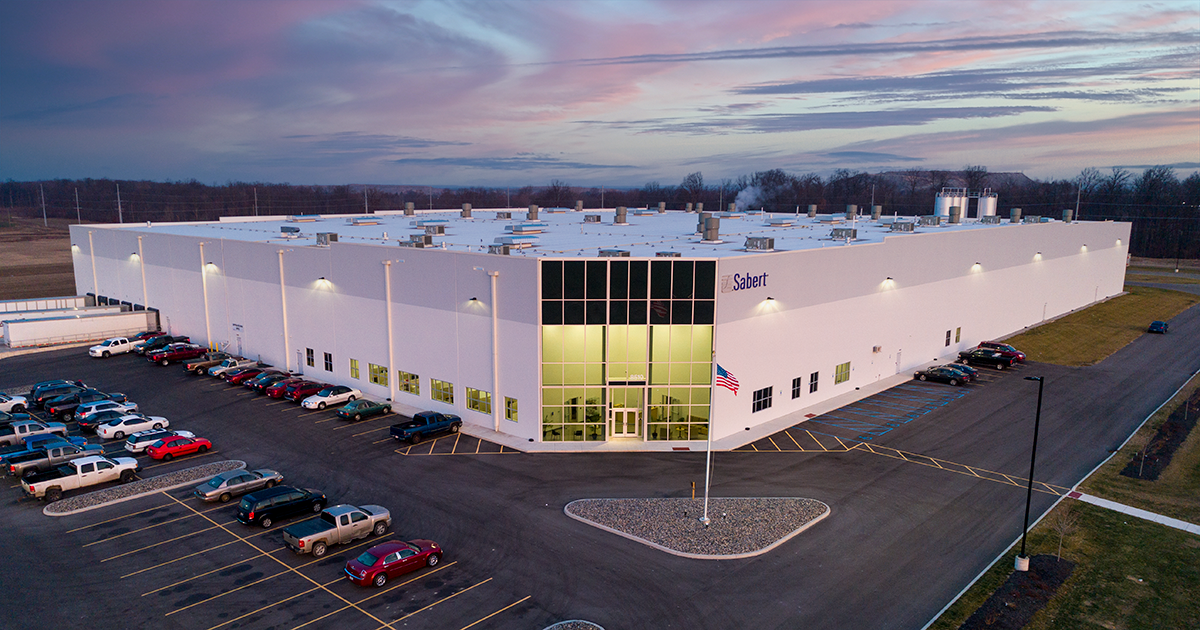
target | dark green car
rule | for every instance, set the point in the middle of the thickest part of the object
(363, 408)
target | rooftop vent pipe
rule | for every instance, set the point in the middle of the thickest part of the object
(1068, 214)
(955, 214)
(578, 205)
(466, 211)
(812, 210)
(704, 216)
(851, 211)
(533, 210)
(409, 208)
(620, 218)
(662, 207)
(712, 227)
(876, 212)
(733, 207)
(687, 207)
(1014, 215)
(700, 206)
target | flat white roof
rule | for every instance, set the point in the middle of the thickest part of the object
(564, 233)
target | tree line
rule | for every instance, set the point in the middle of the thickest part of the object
(1164, 210)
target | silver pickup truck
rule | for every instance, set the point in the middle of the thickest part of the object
(336, 525)
(51, 455)
(17, 431)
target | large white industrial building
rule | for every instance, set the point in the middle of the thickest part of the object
(586, 326)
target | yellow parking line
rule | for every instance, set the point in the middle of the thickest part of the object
(224, 593)
(288, 568)
(419, 610)
(773, 443)
(184, 458)
(203, 551)
(251, 393)
(367, 431)
(141, 529)
(326, 420)
(454, 449)
(390, 588)
(379, 417)
(312, 413)
(69, 531)
(785, 432)
(814, 438)
(497, 612)
(278, 402)
(157, 544)
(386, 439)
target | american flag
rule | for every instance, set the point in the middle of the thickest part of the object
(727, 379)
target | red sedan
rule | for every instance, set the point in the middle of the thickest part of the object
(176, 352)
(391, 559)
(168, 448)
(279, 389)
(304, 390)
(243, 375)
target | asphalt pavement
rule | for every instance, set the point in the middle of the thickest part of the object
(902, 539)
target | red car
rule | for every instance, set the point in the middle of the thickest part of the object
(176, 352)
(242, 375)
(170, 447)
(304, 390)
(390, 559)
(279, 389)
(1004, 349)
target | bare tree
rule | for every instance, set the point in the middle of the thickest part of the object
(693, 186)
(1063, 522)
(974, 176)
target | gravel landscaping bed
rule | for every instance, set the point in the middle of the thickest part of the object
(140, 488)
(574, 624)
(738, 528)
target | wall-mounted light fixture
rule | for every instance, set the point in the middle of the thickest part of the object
(74, 247)
(134, 255)
(474, 299)
(889, 278)
(770, 299)
(1118, 242)
(321, 279)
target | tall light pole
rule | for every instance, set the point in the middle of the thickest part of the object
(1022, 563)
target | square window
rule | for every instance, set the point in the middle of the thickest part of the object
(353, 368)
(441, 391)
(379, 374)
(409, 383)
(510, 408)
(762, 399)
(841, 373)
(309, 357)
(328, 362)
(812, 381)
(479, 400)
(797, 385)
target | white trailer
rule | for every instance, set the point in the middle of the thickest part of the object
(72, 328)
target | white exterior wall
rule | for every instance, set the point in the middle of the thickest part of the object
(833, 305)
(438, 331)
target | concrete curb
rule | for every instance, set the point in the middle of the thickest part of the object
(700, 556)
(182, 484)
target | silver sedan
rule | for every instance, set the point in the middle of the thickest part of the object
(230, 484)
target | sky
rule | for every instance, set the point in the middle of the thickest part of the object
(591, 93)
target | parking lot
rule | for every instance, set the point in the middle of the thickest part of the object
(938, 494)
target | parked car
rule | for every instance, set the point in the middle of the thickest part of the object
(332, 395)
(233, 483)
(939, 373)
(336, 525)
(241, 375)
(109, 347)
(149, 334)
(16, 431)
(49, 456)
(279, 389)
(36, 442)
(1003, 349)
(983, 356)
(6, 419)
(87, 409)
(1158, 327)
(229, 364)
(969, 373)
(304, 390)
(64, 406)
(391, 559)
(363, 408)
(264, 507)
(130, 424)
(79, 473)
(175, 352)
(425, 424)
(42, 394)
(12, 404)
(266, 379)
(155, 343)
(90, 422)
(200, 365)
(140, 441)
(174, 446)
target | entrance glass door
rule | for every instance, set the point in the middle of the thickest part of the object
(626, 423)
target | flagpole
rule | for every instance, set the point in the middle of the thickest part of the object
(708, 451)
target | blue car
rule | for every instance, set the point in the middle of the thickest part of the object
(1159, 327)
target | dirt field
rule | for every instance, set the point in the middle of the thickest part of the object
(35, 261)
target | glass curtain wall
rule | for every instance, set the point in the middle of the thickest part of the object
(627, 349)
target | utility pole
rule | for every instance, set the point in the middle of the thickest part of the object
(601, 197)
(78, 219)
(366, 204)
(431, 197)
(1078, 194)
(256, 201)
(42, 192)
(119, 218)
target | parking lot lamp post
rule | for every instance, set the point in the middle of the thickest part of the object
(708, 451)
(1022, 563)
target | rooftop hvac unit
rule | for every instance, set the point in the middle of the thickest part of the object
(504, 215)
(667, 254)
(517, 242)
(325, 238)
(363, 221)
(989, 219)
(781, 222)
(420, 241)
(842, 234)
(760, 244)
(425, 222)
(1031, 219)
(903, 226)
(525, 227)
(498, 249)
(303, 218)
(932, 219)
(435, 229)
(591, 218)
(288, 231)
(614, 253)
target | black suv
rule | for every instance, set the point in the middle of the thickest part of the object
(158, 343)
(264, 507)
(42, 394)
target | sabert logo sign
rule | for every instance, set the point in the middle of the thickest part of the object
(742, 281)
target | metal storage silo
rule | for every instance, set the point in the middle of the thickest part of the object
(987, 205)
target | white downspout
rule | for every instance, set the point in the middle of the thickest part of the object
(497, 399)
(204, 286)
(387, 296)
(95, 282)
(142, 259)
(287, 349)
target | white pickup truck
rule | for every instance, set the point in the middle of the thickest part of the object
(229, 365)
(336, 525)
(79, 473)
(116, 345)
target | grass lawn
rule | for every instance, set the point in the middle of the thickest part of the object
(1146, 277)
(1090, 335)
